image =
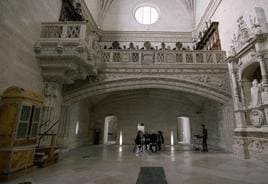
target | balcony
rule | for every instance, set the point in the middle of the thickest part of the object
(64, 52)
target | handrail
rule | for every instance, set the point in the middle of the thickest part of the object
(44, 123)
(46, 132)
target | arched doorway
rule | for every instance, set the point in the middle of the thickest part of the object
(110, 130)
(183, 130)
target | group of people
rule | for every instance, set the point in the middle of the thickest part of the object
(153, 142)
(150, 142)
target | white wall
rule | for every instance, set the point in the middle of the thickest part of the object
(201, 6)
(218, 119)
(93, 6)
(173, 17)
(160, 113)
(229, 11)
(79, 112)
(20, 23)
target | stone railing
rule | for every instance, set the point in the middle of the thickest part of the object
(63, 30)
(65, 53)
(163, 57)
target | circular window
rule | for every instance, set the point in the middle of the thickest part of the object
(146, 15)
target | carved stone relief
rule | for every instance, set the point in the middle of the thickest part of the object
(256, 118)
(243, 35)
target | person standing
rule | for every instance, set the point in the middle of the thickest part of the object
(160, 139)
(138, 142)
(153, 144)
(204, 137)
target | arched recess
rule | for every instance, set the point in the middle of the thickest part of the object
(249, 73)
(183, 85)
(110, 130)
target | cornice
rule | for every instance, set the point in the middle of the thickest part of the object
(156, 36)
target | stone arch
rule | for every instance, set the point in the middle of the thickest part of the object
(250, 71)
(183, 85)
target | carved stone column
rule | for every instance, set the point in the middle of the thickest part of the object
(263, 64)
(237, 96)
(51, 109)
(235, 87)
(263, 59)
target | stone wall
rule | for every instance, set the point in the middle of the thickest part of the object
(218, 119)
(20, 24)
(160, 113)
(201, 6)
(77, 136)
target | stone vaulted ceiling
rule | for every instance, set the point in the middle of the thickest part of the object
(117, 15)
(104, 6)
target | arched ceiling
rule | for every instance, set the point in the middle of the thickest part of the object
(117, 15)
(183, 98)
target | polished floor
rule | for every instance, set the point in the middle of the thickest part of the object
(119, 165)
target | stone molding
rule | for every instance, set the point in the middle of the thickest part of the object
(141, 36)
(144, 82)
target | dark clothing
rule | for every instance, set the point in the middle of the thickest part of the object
(204, 142)
(146, 141)
(153, 144)
(160, 140)
(138, 140)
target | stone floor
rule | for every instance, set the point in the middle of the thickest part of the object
(119, 165)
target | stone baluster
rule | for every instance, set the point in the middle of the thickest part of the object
(194, 57)
(214, 58)
(111, 57)
(140, 56)
(83, 29)
(204, 57)
(184, 57)
(64, 30)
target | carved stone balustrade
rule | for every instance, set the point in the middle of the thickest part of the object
(64, 52)
(155, 57)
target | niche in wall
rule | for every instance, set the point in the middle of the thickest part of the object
(251, 72)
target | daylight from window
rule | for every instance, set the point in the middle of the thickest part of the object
(146, 15)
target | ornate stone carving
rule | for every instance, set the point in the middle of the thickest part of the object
(51, 91)
(256, 118)
(255, 92)
(256, 145)
(243, 35)
(147, 58)
(255, 26)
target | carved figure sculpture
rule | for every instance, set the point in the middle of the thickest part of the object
(115, 45)
(255, 92)
(163, 46)
(131, 46)
(243, 30)
(178, 46)
(147, 46)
